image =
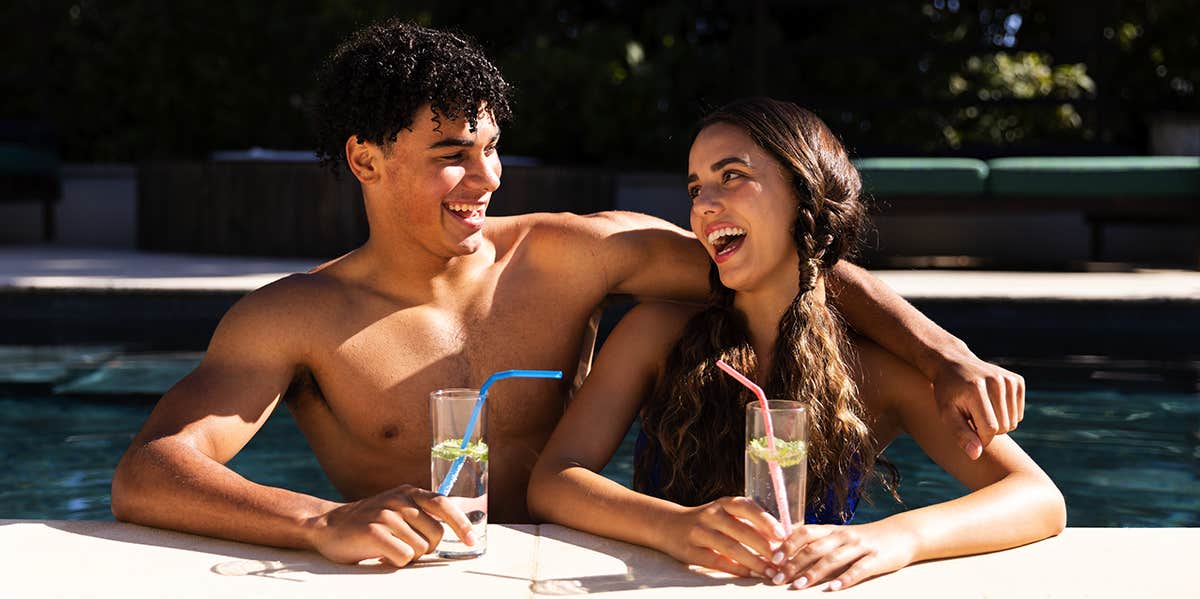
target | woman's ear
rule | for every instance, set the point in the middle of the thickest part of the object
(361, 157)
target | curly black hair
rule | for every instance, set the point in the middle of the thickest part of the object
(373, 83)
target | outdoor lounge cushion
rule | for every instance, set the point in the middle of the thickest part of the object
(885, 177)
(1100, 176)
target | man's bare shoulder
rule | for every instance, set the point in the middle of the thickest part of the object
(295, 307)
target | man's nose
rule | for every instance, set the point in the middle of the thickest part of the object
(487, 173)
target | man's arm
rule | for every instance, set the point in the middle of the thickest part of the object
(174, 474)
(977, 399)
(650, 258)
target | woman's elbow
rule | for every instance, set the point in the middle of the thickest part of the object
(1059, 519)
(541, 482)
(1054, 508)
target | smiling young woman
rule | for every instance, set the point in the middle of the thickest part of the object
(775, 203)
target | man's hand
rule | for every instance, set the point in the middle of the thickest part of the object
(978, 401)
(397, 526)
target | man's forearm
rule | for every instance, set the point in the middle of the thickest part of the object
(166, 484)
(876, 311)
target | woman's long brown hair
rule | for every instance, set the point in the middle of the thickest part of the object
(695, 418)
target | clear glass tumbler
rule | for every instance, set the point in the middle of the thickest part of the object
(789, 419)
(450, 410)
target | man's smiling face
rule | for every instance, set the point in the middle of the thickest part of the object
(437, 179)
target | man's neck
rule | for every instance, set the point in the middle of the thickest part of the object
(399, 267)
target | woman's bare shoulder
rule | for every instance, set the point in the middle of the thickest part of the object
(886, 383)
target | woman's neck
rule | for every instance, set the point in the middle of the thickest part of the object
(763, 308)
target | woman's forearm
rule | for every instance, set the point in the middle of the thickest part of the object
(1021, 508)
(582, 499)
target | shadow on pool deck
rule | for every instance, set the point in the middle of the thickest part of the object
(252, 560)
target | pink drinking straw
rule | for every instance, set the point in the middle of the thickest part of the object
(776, 472)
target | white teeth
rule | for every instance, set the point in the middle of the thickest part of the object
(463, 207)
(725, 231)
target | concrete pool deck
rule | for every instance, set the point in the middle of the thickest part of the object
(56, 295)
(28, 268)
(93, 558)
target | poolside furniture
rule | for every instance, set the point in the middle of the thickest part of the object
(1159, 190)
(90, 558)
(29, 168)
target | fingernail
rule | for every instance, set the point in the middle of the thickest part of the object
(800, 582)
(778, 578)
(770, 572)
(835, 585)
(777, 559)
(779, 532)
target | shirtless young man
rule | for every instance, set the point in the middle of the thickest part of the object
(440, 296)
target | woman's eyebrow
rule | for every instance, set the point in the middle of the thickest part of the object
(720, 164)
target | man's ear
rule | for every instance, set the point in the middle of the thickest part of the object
(361, 157)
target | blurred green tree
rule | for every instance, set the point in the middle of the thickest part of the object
(619, 82)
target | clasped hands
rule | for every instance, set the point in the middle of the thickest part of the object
(735, 535)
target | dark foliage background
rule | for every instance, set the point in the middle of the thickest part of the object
(619, 82)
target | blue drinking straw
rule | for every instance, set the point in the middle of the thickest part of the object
(452, 475)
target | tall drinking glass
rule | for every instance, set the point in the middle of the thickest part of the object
(450, 410)
(789, 419)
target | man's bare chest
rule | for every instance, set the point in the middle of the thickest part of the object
(374, 377)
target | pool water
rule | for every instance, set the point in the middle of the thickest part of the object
(1120, 438)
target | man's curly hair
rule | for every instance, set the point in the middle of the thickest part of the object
(373, 83)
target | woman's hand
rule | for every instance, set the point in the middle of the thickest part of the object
(845, 555)
(731, 534)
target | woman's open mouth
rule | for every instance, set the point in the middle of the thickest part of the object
(725, 241)
(472, 215)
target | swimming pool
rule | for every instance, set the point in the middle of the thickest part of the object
(1120, 437)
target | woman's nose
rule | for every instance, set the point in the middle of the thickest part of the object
(706, 203)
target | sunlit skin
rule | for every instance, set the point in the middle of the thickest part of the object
(732, 182)
(432, 300)
(422, 173)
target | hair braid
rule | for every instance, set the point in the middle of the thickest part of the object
(695, 417)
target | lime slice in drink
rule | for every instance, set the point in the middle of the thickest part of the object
(450, 449)
(787, 453)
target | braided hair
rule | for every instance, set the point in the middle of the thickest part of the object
(695, 416)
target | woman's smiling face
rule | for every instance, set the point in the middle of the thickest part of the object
(743, 207)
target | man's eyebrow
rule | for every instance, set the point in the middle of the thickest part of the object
(720, 164)
(460, 142)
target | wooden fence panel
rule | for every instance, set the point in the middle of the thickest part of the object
(299, 209)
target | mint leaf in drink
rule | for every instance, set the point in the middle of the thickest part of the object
(451, 449)
(787, 453)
